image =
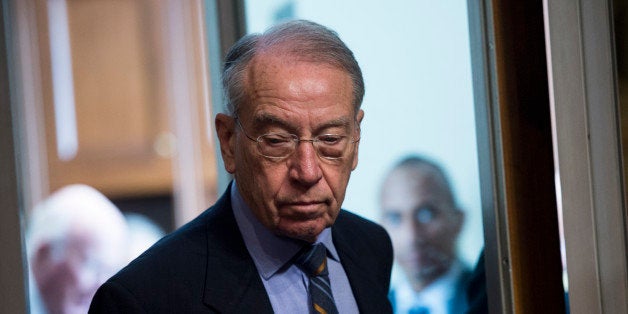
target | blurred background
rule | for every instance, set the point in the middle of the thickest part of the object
(120, 96)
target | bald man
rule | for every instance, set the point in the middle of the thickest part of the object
(420, 214)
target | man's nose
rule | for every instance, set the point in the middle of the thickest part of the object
(418, 232)
(305, 163)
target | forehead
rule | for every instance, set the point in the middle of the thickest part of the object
(406, 188)
(281, 82)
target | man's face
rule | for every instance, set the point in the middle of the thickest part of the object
(300, 195)
(422, 222)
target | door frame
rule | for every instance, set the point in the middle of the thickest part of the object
(585, 125)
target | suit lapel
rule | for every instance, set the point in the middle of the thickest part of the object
(232, 283)
(458, 302)
(361, 279)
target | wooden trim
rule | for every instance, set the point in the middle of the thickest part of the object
(526, 141)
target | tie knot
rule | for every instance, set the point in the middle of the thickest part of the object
(312, 260)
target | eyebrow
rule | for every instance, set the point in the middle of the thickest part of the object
(266, 119)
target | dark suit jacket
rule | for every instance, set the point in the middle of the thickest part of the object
(476, 289)
(204, 267)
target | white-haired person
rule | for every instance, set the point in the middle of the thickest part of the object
(77, 239)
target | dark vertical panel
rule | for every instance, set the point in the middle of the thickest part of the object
(225, 25)
(12, 262)
(527, 154)
(232, 25)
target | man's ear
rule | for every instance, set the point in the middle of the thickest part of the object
(358, 118)
(225, 129)
(458, 221)
(42, 262)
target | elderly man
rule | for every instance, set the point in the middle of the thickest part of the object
(76, 240)
(277, 240)
(420, 213)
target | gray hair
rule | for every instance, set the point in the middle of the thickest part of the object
(309, 41)
(75, 206)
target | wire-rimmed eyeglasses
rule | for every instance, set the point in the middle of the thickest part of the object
(281, 145)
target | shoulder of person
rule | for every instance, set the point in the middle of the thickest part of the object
(363, 235)
(172, 249)
(357, 224)
(171, 270)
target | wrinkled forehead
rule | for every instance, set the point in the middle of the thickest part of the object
(268, 75)
(274, 60)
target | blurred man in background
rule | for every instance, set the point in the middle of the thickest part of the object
(420, 214)
(76, 240)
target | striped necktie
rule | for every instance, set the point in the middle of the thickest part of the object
(312, 260)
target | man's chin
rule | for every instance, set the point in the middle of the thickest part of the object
(303, 231)
(425, 274)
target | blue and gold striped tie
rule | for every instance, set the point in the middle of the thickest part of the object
(312, 260)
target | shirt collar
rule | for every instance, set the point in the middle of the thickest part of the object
(269, 251)
(435, 296)
(443, 288)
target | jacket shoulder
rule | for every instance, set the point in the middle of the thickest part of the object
(356, 228)
(169, 274)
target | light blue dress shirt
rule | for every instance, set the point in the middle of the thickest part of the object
(285, 283)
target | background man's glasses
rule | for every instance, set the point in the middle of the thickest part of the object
(282, 145)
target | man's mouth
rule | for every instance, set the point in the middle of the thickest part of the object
(302, 210)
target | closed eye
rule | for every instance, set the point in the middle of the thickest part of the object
(329, 139)
(276, 139)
